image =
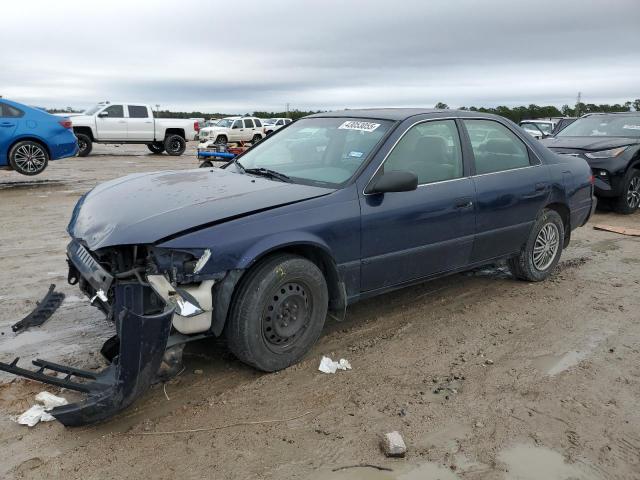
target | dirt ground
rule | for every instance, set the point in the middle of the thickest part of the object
(485, 377)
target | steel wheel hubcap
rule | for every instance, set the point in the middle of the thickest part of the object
(633, 194)
(286, 315)
(30, 158)
(546, 246)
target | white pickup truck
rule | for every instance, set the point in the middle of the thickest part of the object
(132, 123)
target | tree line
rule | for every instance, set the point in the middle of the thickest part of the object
(517, 114)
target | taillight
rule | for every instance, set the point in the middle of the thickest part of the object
(66, 123)
(592, 179)
(196, 127)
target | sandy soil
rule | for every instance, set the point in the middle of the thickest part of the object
(533, 381)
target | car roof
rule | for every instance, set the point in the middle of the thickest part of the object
(400, 114)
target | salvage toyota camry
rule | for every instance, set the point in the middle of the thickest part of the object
(331, 209)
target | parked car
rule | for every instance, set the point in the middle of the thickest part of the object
(273, 124)
(30, 137)
(234, 129)
(562, 123)
(123, 122)
(610, 143)
(338, 207)
(538, 128)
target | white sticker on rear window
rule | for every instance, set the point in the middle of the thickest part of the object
(355, 154)
(362, 126)
(632, 127)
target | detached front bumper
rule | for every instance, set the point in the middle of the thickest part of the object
(142, 342)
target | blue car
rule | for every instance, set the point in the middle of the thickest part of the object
(326, 211)
(30, 137)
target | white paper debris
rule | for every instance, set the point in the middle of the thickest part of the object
(50, 401)
(34, 415)
(38, 413)
(329, 366)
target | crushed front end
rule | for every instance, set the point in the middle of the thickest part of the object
(155, 299)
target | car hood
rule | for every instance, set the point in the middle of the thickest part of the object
(145, 208)
(588, 143)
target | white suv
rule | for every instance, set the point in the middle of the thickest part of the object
(234, 129)
(273, 124)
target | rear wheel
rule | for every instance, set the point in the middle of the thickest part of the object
(629, 201)
(175, 145)
(278, 312)
(256, 138)
(543, 249)
(156, 147)
(84, 144)
(28, 158)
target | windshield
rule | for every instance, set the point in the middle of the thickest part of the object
(224, 123)
(318, 150)
(604, 126)
(94, 109)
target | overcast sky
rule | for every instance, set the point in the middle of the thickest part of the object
(241, 56)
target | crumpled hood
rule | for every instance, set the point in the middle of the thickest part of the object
(588, 143)
(144, 208)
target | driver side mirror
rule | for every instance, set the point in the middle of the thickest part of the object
(394, 181)
(103, 114)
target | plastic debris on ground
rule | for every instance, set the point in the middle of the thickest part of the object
(329, 366)
(39, 413)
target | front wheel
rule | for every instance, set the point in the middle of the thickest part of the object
(28, 158)
(84, 144)
(543, 249)
(629, 201)
(175, 145)
(206, 164)
(278, 312)
(156, 147)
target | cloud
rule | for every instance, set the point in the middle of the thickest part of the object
(256, 55)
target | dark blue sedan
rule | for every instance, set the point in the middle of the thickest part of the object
(331, 209)
(30, 137)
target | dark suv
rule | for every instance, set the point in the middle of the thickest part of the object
(610, 143)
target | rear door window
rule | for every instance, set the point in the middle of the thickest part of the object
(9, 111)
(431, 150)
(137, 111)
(495, 147)
(248, 123)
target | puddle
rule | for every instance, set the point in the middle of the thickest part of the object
(527, 462)
(427, 471)
(555, 364)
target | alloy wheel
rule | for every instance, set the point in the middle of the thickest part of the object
(546, 246)
(633, 193)
(30, 158)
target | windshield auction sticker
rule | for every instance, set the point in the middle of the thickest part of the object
(362, 126)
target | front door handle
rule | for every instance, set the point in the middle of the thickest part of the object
(464, 203)
(7, 124)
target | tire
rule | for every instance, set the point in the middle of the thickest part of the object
(269, 132)
(175, 145)
(277, 313)
(206, 164)
(548, 230)
(221, 140)
(85, 145)
(256, 138)
(156, 147)
(629, 201)
(28, 158)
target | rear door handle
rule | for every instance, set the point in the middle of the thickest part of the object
(541, 187)
(7, 124)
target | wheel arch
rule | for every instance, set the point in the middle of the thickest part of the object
(226, 290)
(175, 131)
(85, 131)
(29, 138)
(563, 210)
